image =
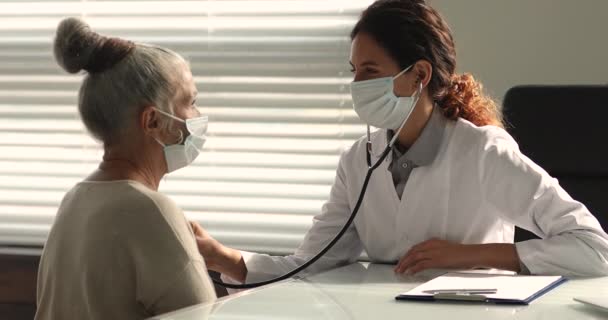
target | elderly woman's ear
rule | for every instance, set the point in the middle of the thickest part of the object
(149, 121)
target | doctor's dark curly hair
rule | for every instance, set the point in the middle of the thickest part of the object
(411, 30)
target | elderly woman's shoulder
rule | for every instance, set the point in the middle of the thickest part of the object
(137, 206)
(124, 199)
(150, 200)
(122, 204)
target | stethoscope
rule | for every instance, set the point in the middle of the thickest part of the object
(370, 170)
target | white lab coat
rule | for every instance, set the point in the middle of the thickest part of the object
(478, 187)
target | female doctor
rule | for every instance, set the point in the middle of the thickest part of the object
(455, 183)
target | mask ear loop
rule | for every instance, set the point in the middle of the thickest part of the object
(181, 133)
(181, 137)
(416, 98)
(159, 142)
(403, 71)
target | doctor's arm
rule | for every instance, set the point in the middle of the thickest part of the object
(252, 267)
(573, 242)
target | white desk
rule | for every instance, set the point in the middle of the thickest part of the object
(367, 291)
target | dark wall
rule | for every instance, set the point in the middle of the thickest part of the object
(18, 286)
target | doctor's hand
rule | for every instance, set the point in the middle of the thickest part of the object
(198, 229)
(436, 253)
(207, 245)
(217, 256)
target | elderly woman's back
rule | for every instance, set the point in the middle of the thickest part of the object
(118, 248)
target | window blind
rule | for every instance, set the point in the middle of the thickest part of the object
(272, 75)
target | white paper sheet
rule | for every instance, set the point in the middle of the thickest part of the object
(511, 287)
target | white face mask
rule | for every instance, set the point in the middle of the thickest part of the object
(376, 104)
(181, 155)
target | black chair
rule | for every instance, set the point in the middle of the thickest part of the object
(564, 129)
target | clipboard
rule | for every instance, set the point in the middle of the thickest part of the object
(509, 289)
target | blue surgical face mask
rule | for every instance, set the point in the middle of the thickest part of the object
(376, 104)
(178, 156)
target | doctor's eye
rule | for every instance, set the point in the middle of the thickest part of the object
(371, 71)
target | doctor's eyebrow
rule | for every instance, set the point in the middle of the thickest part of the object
(364, 64)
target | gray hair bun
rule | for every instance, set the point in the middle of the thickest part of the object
(77, 48)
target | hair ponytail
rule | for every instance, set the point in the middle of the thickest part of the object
(464, 98)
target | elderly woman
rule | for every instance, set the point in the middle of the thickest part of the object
(118, 248)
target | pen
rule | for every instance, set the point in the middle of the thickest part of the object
(462, 291)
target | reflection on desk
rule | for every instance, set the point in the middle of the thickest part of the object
(367, 291)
